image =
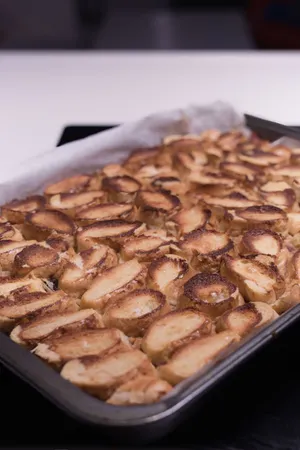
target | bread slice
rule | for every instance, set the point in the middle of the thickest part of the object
(141, 390)
(173, 330)
(58, 351)
(196, 355)
(114, 283)
(34, 331)
(101, 376)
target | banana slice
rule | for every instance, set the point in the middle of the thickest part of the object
(244, 172)
(196, 355)
(211, 294)
(121, 188)
(41, 224)
(214, 180)
(58, 351)
(188, 220)
(15, 211)
(257, 157)
(229, 140)
(106, 211)
(141, 390)
(80, 271)
(293, 224)
(204, 248)
(172, 331)
(10, 285)
(167, 274)
(280, 194)
(266, 216)
(114, 283)
(210, 135)
(71, 203)
(10, 233)
(155, 207)
(37, 259)
(145, 248)
(296, 264)
(260, 241)
(77, 183)
(40, 328)
(112, 170)
(246, 318)
(26, 305)
(101, 376)
(233, 201)
(109, 232)
(256, 281)
(9, 249)
(136, 311)
(187, 162)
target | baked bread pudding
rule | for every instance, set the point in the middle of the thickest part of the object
(131, 279)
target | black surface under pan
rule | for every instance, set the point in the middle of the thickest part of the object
(148, 422)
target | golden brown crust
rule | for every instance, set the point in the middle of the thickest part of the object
(260, 241)
(121, 188)
(210, 293)
(145, 248)
(71, 203)
(108, 232)
(39, 260)
(106, 211)
(114, 283)
(101, 376)
(15, 211)
(266, 216)
(187, 220)
(136, 311)
(103, 341)
(156, 207)
(9, 232)
(76, 183)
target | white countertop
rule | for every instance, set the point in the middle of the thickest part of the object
(42, 92)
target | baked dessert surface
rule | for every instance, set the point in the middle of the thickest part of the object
(135, 277)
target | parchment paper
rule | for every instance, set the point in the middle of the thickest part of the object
(112, 146)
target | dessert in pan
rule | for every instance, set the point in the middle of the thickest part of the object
(133, 278)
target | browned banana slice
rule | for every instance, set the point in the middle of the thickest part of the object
(196, 355)
(210, 135)
(9, 249)
(231, 139)
(21, 306)
(41, 224)
(246, 318)
(70, 203)
(34, 331)
(15, 211)
(136, 311)
(101, 376)
(145, 248)
(155, 207)
(279, 193)
(262, 158)
(266, 216)
(147, 174)
(82, 268)
(293, 223)
(114, 283)
(10, 285)
(187, 162)
(58, 351)
(141, 390)
(188, 220)
(290, 298)
(38, 260)
(106, 211)
(296, 264)
(257, 241)
(256, 281)
(211, 294)
(173, 330)
(245, 172)
(204, 248)
(166, 274)
(77, 183)
(109, 232)
(121, 188)
(10, 233)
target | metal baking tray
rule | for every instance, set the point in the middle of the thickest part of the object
(147, 422)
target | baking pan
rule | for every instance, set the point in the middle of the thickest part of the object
(146, 422)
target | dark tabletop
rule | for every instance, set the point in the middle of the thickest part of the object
(256, 408)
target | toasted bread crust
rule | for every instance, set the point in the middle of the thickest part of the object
(163, 250)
